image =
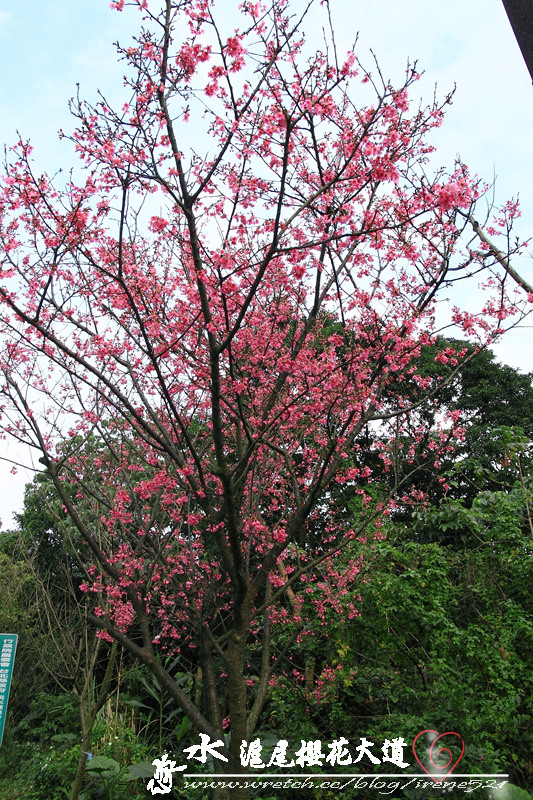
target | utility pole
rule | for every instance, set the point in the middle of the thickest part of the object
(520, 13)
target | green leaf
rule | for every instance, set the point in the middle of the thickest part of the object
(103, 766)
(143, 770)
(136, 704)
(512, 792)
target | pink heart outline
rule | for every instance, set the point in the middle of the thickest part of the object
(442, 750)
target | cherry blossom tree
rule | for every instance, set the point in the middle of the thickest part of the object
(202, 328)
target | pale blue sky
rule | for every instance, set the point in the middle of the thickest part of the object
(47, 46)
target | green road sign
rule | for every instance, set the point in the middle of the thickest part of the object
(8, 645)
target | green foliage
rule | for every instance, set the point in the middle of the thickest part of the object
(37, 762)
(443, 641)
(159, 721)
(107, 779)
(496, 405)
(511, 792)
(17, 611)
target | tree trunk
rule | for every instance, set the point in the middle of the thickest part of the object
(89, 713)
(82, 763)
(238, 711)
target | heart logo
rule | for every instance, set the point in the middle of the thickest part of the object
(442, 751)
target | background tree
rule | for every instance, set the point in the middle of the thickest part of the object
(443, 634)
(494, 403)
(58, 643)
(176, 307)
